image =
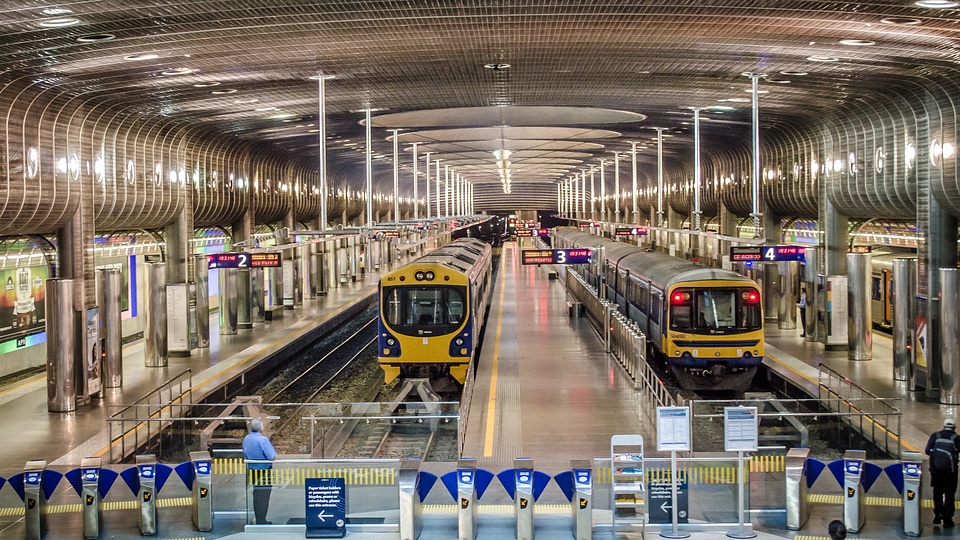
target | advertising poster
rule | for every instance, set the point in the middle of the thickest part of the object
(93, 358)
(22, 307)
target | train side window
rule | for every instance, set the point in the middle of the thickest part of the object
(644, 297)
(655, 306)
(877, 289)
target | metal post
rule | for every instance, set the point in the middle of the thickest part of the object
(396, 175)
(244, 309)
(61, 340)
(229, 301)
(322, 134)
(616, 186)
(903, 288)
(755, 177)
(446, 191)
(427, 178)
(949, 340)
(636, 215)
(593, 199)
(202, 270)
(155, 320)
(660, 176)
(112, 328)
(416, 180)
(369, 170)
(860, 326)
(603, 193)
(437, 190)
(696, 169)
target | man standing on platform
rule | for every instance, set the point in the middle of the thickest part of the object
(943, 449)
(257, 447)
(802, 304)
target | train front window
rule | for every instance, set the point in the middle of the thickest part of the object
(424, 311)
(715, 311)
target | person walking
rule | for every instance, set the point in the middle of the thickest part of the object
(943, 447)
(257, 447)
(802, 304)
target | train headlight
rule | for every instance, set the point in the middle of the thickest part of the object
(391, 342)
(429, 276)
(458, 342)
(419, 275)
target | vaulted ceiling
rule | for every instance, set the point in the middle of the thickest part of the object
(558, 84)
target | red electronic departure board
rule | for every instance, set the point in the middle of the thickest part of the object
(557, 256)
(244, 260)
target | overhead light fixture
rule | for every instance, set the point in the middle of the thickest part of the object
(96, 38)
(497, 66)
(60, 22)
(54, 11)
(176, 71)
(904, 21)
(793, 73)
(936, 4)
(245, 101)
(816, 58)
(224, 92)
(206, 84)
(857, 42)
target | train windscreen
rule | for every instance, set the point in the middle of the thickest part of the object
(424, 311)
(715, 310)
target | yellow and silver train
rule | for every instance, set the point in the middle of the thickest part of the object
(705, 323)
(431, 313)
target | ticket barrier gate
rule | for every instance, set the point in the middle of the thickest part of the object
(202, 494)
(35, 512)
(582, 503)
(411, 507)
(523, 500)
(912, 466)
(147, 471)
(853, 497)
(795, 465)
(467, 499)
(90, 497)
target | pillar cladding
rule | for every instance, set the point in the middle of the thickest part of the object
(229, 301)
(155, 321)
(789, 292)
(809, 279)
(112, 332)
(859, 323)
(771, 291)
(61, 334)
(950, 339)
(201, 270)
(903, 289)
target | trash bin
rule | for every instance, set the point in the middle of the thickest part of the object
(90, 495)
(795, 465)
(853, 497)
(912, 466)
(202, 494)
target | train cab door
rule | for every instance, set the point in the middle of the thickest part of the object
(886, 280)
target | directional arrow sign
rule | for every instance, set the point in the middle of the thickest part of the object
(661, 501)
(326, 507)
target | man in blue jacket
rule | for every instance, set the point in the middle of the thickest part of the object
(257, 447)
(943, 447)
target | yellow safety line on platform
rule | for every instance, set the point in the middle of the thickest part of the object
(893, 435)
(492, 398)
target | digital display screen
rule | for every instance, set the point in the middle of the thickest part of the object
(244, 260)
(557, 256)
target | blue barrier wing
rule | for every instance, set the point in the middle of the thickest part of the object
(836, 467)
(132, 478)
(508, 480)
(484, 477)
(163, 472)
(871, 471)
(565, 481)
(814, 469)
(427, 481)
(16, 482)
(51, 479)
(895, 474)
(74, 476)
(107, 478)
(186, 473)
(540, 482)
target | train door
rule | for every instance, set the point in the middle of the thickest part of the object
(887, 304)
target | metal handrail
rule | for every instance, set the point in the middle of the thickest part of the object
(128, 424)
(839, 393)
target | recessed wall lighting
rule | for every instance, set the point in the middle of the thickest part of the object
(857, 42)
(497, 66)
(54, 11)
(96, 38)
(141, 56)
(904, 21)
(265, 109)
(246, 101)
(750, 91)
(794, 73)
(224, 91)
(176, 71)
(823, 58)
(206, 84)
(59, 22)
(779, 81)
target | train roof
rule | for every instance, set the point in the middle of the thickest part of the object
(660, 269)
(460, 255)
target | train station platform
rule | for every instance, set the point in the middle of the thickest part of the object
(545, 389)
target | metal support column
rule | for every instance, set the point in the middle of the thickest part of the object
(201, 278)
(860, 326)
(112, 333)
(61, 335)
(950, 338)
(229, 301)
(155, 319)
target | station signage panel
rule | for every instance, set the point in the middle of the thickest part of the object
(631, 231)
(557, 256)
(391, 234)
(528, 233)
(244, 260)
(543, 232)
(326, 507)
(767, 253)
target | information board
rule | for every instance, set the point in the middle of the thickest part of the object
(631, 231)
(767, 253)
(740, 429)
(557, 256)
(525, 233)
(243, 260)
(673, 429)
(660, 496)
(326, 507)
(745, 253)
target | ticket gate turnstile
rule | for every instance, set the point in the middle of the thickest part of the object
(523, 501)
(582, 503)
(202, 490)
(467, 499)
(147, 470)
(34, 504)
(854, 500)
(90, 497)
